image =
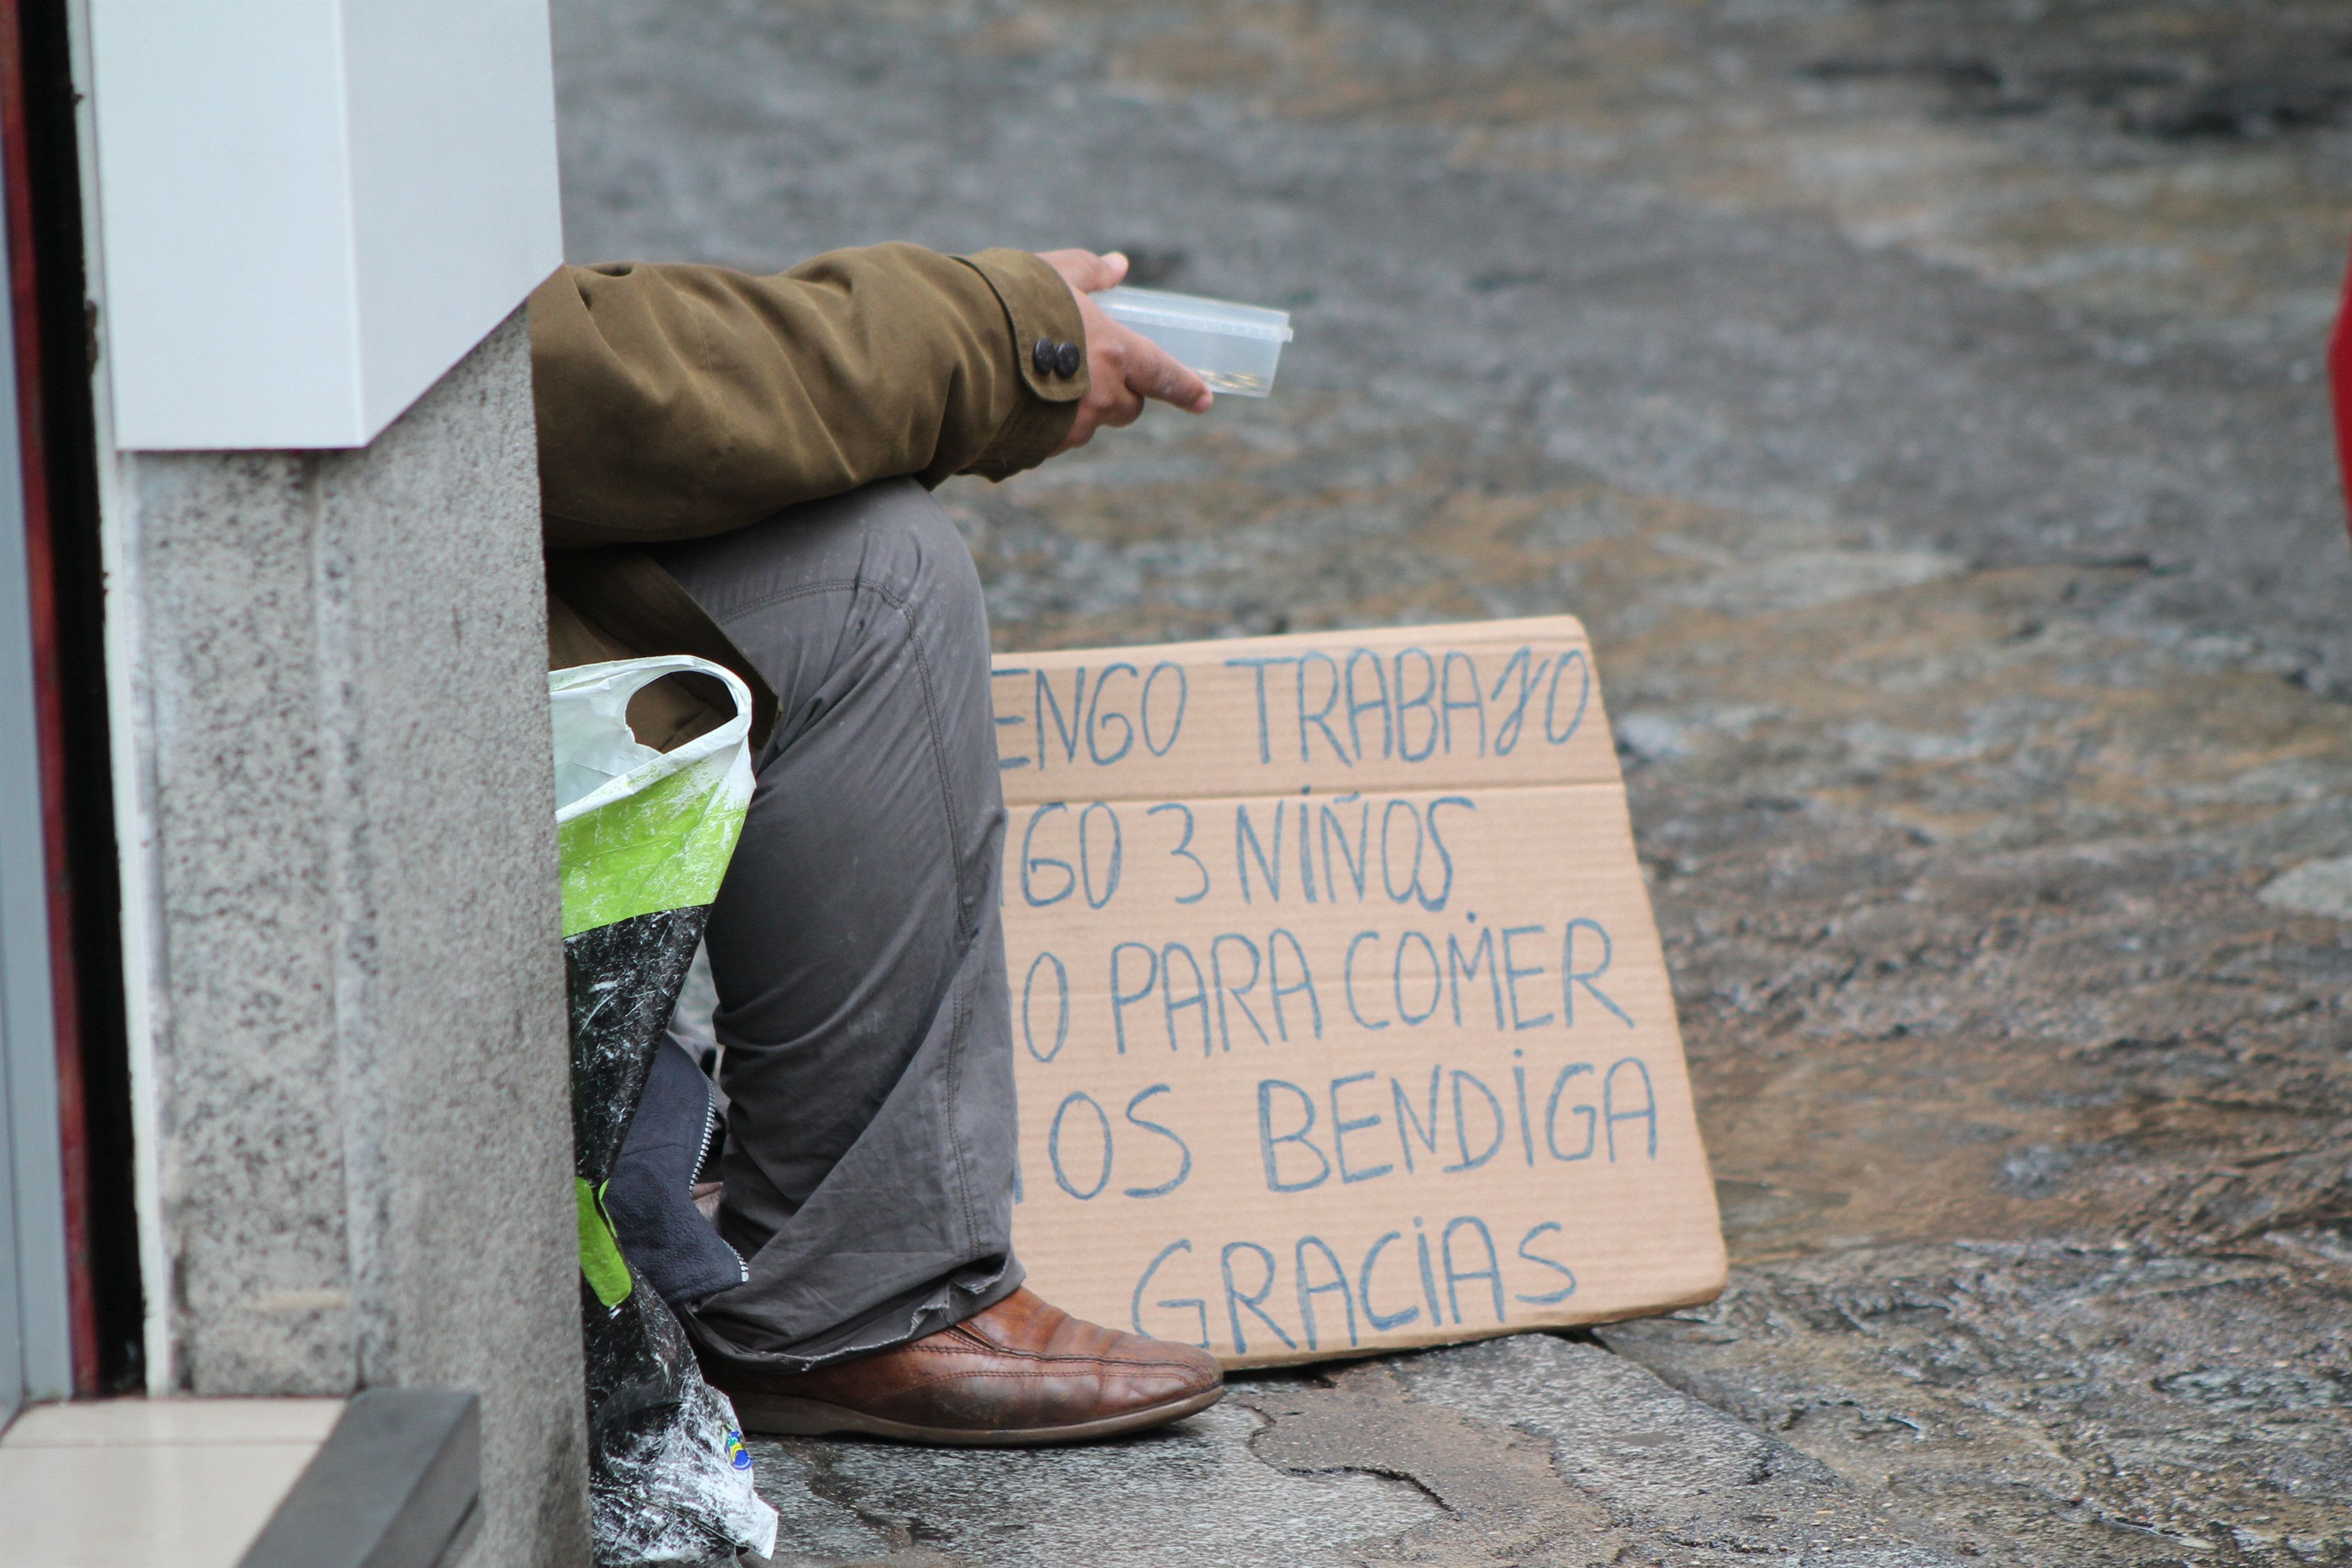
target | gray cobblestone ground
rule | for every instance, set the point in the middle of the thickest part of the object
(1920, 402)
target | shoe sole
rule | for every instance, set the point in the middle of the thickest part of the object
(781, 1416)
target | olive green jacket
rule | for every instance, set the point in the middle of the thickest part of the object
(675, 401)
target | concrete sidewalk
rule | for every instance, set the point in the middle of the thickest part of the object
(1921, 405)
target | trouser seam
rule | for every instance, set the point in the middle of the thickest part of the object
(798, 591)
(967, 931)
(781, 737)
(959, 1037)
(966, 928)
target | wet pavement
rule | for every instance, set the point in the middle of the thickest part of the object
(1921, 403)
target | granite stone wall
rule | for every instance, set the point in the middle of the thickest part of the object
(358, 1097)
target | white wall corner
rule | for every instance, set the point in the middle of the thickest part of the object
(311, 209)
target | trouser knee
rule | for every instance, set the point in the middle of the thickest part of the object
(917, 552)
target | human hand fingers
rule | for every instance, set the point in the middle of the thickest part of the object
(1107, 397)
(1108, 401)
(1149, 371)
(1123, 367)
(1119, 402)
(1085, 272)
(1153, 373)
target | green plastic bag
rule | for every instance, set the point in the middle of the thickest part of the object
(644, 837)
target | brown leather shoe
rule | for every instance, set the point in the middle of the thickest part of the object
(1023, 1372)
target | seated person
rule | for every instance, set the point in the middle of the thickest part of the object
(740, 468)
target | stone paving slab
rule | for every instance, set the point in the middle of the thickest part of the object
(1528, 1450)
(2049, 1403)
(1195, 1497)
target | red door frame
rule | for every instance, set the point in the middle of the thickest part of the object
(25, 299)
(2339, 381)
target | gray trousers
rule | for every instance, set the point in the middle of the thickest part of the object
(856, 943)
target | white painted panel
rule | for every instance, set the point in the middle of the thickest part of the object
(311, 209)
(457, 215)
(231, 310)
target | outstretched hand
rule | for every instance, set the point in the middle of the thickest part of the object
(1124, 367)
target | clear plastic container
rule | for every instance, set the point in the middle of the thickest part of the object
(1233, 348)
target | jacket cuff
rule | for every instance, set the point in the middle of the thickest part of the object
(1033, 434)
(1038, 306)
(1041, 308)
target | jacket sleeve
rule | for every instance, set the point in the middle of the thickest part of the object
(679, 400)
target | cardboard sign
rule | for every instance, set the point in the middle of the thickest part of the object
(1340, 1020)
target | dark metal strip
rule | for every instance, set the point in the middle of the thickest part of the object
(393, 1487)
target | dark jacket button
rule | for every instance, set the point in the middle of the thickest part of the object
(1045, 356)
(1069, 359)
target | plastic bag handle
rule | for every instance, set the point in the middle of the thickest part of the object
(657, 666)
